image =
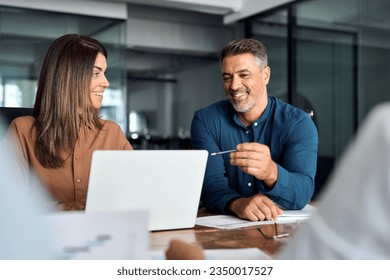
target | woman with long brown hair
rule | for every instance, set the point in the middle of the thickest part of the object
(57, 142)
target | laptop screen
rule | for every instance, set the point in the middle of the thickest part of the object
(166, 183)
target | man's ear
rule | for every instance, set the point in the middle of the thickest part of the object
(266, 74)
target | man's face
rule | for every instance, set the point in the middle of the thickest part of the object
(245, 83)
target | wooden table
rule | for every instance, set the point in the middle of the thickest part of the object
(260, 236)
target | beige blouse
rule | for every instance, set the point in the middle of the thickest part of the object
(67, 185)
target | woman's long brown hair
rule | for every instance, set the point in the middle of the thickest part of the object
(63, 105)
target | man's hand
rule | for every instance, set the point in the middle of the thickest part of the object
(255, 159)
(255, 208)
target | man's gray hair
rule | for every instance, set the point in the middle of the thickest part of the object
(241, 46)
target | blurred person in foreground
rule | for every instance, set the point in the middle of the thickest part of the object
(23, 233)
(274, 165)
(352, 218)
(58, 140)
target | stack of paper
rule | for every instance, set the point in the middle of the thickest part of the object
(231, 222)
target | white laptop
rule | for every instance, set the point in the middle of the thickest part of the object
(166, 183)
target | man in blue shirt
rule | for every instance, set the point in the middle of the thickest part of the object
(276, 144)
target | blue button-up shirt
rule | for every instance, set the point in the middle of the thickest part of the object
(291, 137)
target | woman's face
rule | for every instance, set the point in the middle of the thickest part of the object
(99, 81)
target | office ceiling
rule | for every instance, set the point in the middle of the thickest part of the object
(206, 6)
(231, 10)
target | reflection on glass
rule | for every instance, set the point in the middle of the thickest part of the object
(137, 124)
(25, 36)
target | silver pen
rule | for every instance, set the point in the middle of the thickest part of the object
(221, 153)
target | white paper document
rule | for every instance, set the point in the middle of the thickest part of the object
(231, 222)
(100, 235)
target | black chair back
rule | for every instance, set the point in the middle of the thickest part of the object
(7, 114)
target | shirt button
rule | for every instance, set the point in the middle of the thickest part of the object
(247, 132)
(77, 157)
(249, 184)
(255, 124)
(78, 180)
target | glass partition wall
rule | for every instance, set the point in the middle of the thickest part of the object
(26, 34)
(329, 57)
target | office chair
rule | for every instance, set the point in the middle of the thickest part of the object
(7, 114)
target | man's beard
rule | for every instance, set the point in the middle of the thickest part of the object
(245, 105)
